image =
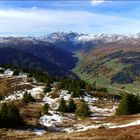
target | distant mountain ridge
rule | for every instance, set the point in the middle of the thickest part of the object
(55, 53)
(77, 41)
(37, 54)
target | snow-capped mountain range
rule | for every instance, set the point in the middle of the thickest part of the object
(75, 37)
(76, 40)
(73, 40)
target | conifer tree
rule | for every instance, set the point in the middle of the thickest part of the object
(62, 106)
(46, 108)
(46, 89)
(16, 72)
(71, 106)
(130, 104)
(76, 92)
(83, 110)
(27, 97)
(10, 116)
(1, 97)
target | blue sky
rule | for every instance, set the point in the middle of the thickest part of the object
(38, 18)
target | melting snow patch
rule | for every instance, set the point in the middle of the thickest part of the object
(65, 95)
(8, 72)
(103, 111)
(80, 127)
(89, 99)
(52, 102)
(36, 91)
(39, 132)
(126, 125)
(21, 74)
(17, 96)
(52, 121)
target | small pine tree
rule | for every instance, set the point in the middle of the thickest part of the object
(46, 108)
(27, 97)
(135, 104)
(94, 87)
(46, 89)
(130, 104)
(83, 110)
(76, 92)
(71, 106)
(62, 106)
(2, 71)
(1, 97)
(10, 116)
(3, 115)
(13, 116)
(16, 72)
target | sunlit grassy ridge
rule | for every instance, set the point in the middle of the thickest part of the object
(101, 66)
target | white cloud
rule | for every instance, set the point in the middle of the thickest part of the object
(41, 21)
(97, 2)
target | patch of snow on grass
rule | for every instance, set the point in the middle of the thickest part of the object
(89, 99)
(126, 125)
(52, 120)
(21, 74)
(64, 94)
(52, 102)
(81, 127)
(8, 72)
(35, 92)
(17, 96)
(39, 132)
(103, 111)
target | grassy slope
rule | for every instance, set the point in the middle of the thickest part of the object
(89, 77)
(9, 85)
(127, 133)
(105, 72)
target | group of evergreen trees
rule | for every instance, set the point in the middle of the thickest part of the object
(10, 116)
(27, 97)
(63, 107)
(74, 86)
(42, 77)
(81, 110)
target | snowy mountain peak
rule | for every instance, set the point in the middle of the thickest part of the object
(76, 37)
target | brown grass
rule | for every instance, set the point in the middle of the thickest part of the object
(129, 133)
(30, 112)
(9, 85)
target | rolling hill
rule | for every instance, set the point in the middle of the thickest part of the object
(111, 64)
